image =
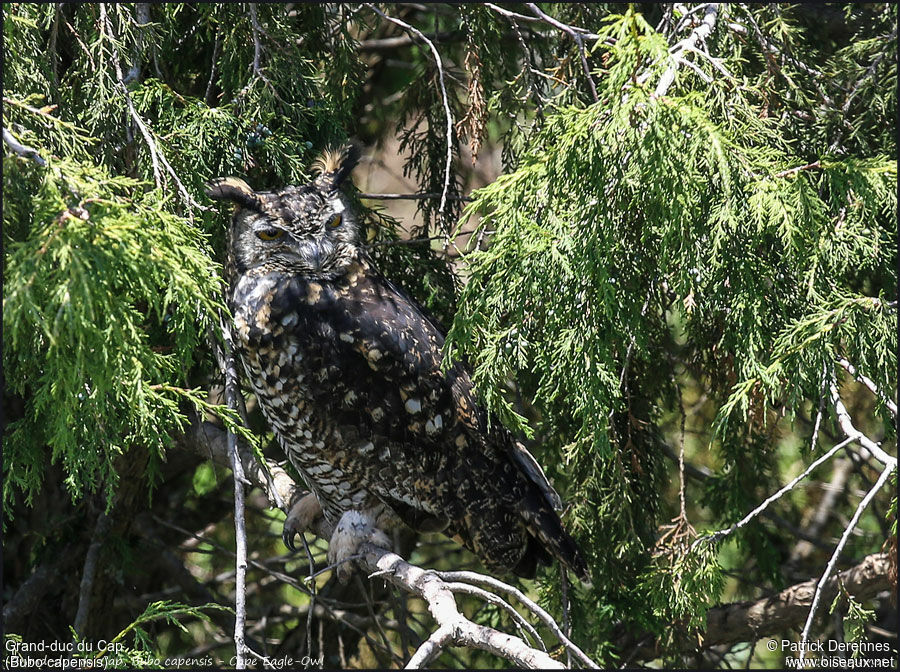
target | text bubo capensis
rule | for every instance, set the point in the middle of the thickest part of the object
(347, 371)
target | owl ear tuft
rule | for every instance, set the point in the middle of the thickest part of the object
(233, 189)
(334, 165)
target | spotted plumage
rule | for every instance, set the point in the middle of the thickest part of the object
(347, 370)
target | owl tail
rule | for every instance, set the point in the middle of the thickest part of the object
(547, 537)
(547, 530)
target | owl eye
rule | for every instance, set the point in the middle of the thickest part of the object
(335, 221)
(270, 234)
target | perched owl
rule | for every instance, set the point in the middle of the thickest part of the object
(347, 371)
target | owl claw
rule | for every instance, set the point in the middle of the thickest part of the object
(353, 529)
(300, 518)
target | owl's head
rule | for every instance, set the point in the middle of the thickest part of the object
(308, 230)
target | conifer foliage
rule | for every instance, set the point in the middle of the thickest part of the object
(680, 292)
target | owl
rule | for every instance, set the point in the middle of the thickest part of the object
(347, 370)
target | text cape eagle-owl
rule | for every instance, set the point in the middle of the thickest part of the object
(347, 371)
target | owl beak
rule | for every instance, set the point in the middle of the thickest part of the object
(311, 254)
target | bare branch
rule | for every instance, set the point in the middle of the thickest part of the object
(794, 171)
(829, 568)
(770, 48)
(411, 197)
(207, 97)
(716, 536)
(257, 46)
(156, 156)
(515, 16)
(101, 529)
(430, 648)
(454, 628)
(390, 43)
(491, 598)
(575, 36)
(846, 423)
(440, 68)
(873, 388)
(752, 619)
(697, 36)
(533, 607)
(20, 149)
(229, 370)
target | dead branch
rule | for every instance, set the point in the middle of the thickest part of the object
(575, 36)
(752, 619)
(400, 41)
(101, 529)
(454, 629)
(411, 197)
(697, 36)
(20, 149)
(721, 534)
(229, 369)
(892, 407)
(446, 101)
(829, 568)
(156, 156)
(846, 423)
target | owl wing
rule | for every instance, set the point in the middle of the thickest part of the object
(422, 437)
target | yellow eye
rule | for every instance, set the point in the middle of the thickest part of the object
(335, 221)
(270, 234)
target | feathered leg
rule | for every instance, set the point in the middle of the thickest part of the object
(353, 529)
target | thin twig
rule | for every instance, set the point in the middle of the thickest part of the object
(156, 156)
(207, 97)
(390, 43)
(869, 71)
(773, 49)
(312, 592)
(257, 45)
(515, 16)
(829, 568)
(630, 350)
(440, 68)
(794, 171)
(566, 623)
(411, 197)
(715, 536)
(681, 454)
(229, 370)
(575, 36)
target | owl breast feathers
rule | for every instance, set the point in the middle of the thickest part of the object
(347, 370)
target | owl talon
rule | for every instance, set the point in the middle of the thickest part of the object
(353, 529)
(300, 519)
